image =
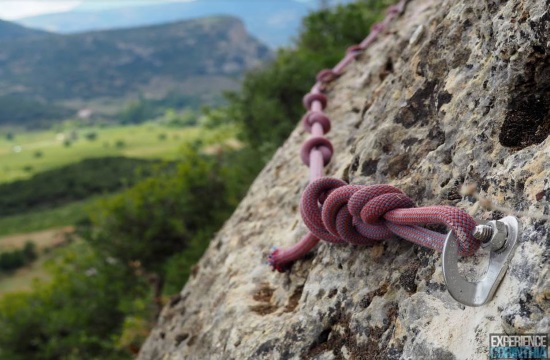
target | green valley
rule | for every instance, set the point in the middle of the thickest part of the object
(23, 154)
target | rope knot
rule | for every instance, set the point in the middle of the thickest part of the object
(312, 117)
(394, 10)
(326, 76)
(371, 203)
(354, 50)
(309, 98)
(361, 215)
(377, 27)
(322, 144)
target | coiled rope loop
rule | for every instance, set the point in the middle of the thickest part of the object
(340, 213)
(326, 75)
(362, 215)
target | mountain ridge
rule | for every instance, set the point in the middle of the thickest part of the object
(273, 22)
(198, 57)
(11, 31)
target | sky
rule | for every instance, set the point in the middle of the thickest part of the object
(17, 9)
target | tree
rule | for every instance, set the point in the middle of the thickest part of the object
(77, 315)
(137, 112)
(145, 225)
(29, 251)
(91, 136)
(270, 101)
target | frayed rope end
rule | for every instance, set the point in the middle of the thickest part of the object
(275, 263)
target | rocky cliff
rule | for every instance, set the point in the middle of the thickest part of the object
(453, 93)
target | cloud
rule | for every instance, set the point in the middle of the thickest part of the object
(16, 9)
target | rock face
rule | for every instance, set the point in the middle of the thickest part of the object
(452, 93)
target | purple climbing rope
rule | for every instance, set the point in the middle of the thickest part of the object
(361, 215)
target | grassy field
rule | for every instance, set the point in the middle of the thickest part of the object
(27, 153)
(43, 239)
(46, 229)
(49, 244)
(22, 279)
(32, 152)
(46, 219)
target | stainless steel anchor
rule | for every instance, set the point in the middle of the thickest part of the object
(501, 236)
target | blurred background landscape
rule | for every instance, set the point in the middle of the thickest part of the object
(129, 132)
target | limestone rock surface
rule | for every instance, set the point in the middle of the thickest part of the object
(454, 92)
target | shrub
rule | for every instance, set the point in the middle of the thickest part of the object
(29, 251)
(15, 259)
(91, 136)
(269, 103)
(72, 182)
(77, 315)
(164, 212)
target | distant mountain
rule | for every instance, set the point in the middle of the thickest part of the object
(274, 22)
(11, 31)
(197, 57)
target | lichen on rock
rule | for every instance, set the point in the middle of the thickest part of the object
(452, 93)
